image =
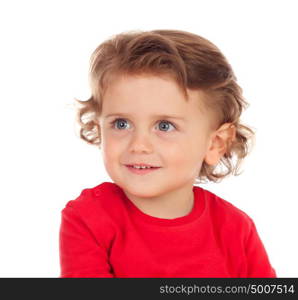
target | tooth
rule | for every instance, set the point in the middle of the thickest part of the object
(141, 167)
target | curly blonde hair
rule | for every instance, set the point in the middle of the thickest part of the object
(193, 62)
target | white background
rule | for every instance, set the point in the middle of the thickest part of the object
(45, 48)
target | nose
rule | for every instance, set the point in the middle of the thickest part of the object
(141, 142)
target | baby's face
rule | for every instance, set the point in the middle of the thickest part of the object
(135, 130)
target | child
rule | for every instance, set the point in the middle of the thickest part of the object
(165, 111)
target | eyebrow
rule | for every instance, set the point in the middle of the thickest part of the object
(156, 116)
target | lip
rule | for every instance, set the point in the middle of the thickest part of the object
(140, 164)
(141, 171)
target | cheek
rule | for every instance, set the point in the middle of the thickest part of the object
(111, 149)
(186, 153)
(177, 152)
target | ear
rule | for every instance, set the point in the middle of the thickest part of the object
(219, 142)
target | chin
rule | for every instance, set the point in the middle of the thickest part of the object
(142, 190)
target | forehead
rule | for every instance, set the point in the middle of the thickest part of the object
(148, 94)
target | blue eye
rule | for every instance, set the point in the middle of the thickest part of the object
(166, 126)
(120, 124)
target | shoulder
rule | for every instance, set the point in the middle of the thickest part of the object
(226, 215)
(96, 205)
(103, 194)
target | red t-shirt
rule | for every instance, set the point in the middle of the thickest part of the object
(103, 234)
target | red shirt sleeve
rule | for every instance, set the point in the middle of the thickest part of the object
(258, 265)
(81, 255)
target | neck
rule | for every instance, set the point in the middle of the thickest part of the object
(170, 205)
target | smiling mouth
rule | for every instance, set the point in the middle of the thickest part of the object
(141, 171)
(142, 166)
